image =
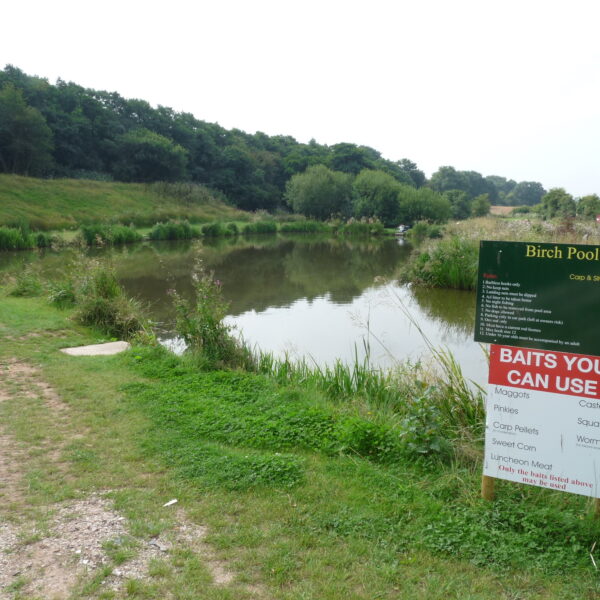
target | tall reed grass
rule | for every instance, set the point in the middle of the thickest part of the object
(20, 238)
(110, 235)
(173, 230)
(451, 263)
(260, 227)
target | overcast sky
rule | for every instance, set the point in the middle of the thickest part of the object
(502, 87)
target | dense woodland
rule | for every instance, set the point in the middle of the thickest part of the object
(65, 130)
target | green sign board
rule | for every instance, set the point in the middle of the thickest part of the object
(543, 296)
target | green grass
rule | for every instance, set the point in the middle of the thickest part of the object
(289, 507)
(53, 204)
(450, 263)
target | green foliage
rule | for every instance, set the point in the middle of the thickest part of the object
(260, 227)
(14, 239)
(27, 283)
(364, 227)
(451, 263)
(112, 235)
(510, 533)
(470, 182)
(25, 138)
(423, 428)
(320, 193)
(304, 227)
(201, 324)
(376, 196)
(423, 205)
(557, 203)
(421, 231)
(460, 203)
(588, 207)
(173, 230)
(100, 301)
(480, 206)
(148, 156)
(49, 204)
(525, 193)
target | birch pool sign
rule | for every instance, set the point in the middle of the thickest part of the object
(539, 307)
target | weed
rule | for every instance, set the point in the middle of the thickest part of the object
(452, 263)
(260, 227)
(112, 235)
(173, 230)
(27, 283)
(201, 325)
(304, 227)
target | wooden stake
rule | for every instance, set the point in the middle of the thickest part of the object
(487, 487)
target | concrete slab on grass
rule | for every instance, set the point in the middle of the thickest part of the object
(97, 349)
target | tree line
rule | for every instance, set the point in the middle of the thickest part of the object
(66, 130)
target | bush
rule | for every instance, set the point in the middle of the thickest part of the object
(452, 263)
(364, 227)
(202, 328)
(173, 230)
(421, 231)
(13, 238)
(214, 230)
(101, 302)
(304, 227)
(27, 283)
(260, 227)
(112, 235)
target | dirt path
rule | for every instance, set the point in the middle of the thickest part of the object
(53, 558)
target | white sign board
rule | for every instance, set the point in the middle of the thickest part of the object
(543, 419)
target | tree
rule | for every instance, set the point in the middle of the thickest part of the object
(25, 138)
(149, 156)
(588, 207)
(459, 201)
(350, 158)
(557, 203)
(423, 205)
(320, 193)
(376, 195)
(502, 185)
(470, 182)
(480, 206)
(411, 169)
(526, 193)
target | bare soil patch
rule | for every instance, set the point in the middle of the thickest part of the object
(76, 539)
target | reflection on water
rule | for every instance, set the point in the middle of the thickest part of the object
(304, 296)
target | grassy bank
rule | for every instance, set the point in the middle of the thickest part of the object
(305, 492)
(53, 204)
(452, 261)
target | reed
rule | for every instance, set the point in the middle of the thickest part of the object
(173, 230)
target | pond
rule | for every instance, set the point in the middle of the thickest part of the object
(318, 298)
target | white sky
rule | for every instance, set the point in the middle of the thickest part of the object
(502, 87)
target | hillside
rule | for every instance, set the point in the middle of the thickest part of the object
(47, 204)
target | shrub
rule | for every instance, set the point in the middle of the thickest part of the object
(101, 303)
(202, 328)
(27, 283)
(364, 227)
(304, 227)
(260, 227)
(421, 231)
(13, 238)
(173, 230)
(232, 229)
(100, 235)
(452, 263)
(215, 229)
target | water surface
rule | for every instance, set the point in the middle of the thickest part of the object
(318, 298)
